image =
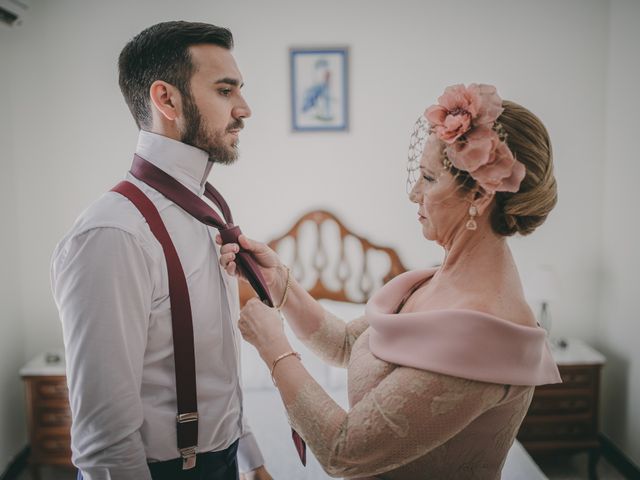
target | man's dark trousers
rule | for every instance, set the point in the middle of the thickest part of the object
(222, 465)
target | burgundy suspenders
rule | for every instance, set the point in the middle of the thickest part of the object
(181, 325)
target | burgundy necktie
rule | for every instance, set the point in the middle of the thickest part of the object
(196, 207)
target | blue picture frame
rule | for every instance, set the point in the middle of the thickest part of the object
(319, 89)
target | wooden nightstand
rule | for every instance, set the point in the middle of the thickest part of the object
(48, 414)
(564, 417)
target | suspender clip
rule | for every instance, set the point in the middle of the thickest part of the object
(189, 453)
(188, 417)
(188, 458)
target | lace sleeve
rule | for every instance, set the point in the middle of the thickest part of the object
(333, 340)
(409, 413)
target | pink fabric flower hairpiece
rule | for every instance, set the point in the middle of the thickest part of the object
(465, 119)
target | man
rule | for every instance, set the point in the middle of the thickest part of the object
(110, 280)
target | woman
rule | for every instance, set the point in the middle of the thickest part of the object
(442, 366)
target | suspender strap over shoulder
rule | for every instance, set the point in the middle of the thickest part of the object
(181, 323)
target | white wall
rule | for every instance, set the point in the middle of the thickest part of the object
(619, 320)
(73, 135)
(12, 423)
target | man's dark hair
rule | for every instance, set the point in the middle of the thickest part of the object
(161, 52)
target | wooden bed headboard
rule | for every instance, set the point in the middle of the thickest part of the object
(332, 262)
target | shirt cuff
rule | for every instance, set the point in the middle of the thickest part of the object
(249, 454)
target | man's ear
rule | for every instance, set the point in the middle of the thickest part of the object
(482, 200)
(166, 99)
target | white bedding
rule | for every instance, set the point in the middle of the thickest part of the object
(269, 423)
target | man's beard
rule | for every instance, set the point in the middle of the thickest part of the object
(198, 135)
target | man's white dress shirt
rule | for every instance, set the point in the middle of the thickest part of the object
(109, 280)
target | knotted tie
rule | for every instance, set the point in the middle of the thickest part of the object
(196, 207)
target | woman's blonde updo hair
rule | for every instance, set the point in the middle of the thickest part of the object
(522, 212)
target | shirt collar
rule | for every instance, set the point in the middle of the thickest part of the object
(189, 165)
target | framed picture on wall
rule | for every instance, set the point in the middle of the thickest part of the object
(319, 89)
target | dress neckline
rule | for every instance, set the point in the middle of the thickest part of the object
(459, 342)
(428, 274)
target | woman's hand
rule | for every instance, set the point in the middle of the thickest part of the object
(262, 327)
(271, 267)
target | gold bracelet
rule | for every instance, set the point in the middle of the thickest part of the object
(286, 289)
(284, 355)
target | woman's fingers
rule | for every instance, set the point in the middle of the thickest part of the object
(265, 257)
(245, 242)
(227, 261)
(250, 245)
(231, 268)
(226, 258)
(230, 247)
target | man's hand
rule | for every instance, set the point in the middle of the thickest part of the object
(259, 473)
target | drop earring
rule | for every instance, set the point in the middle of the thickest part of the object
(473, 213)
